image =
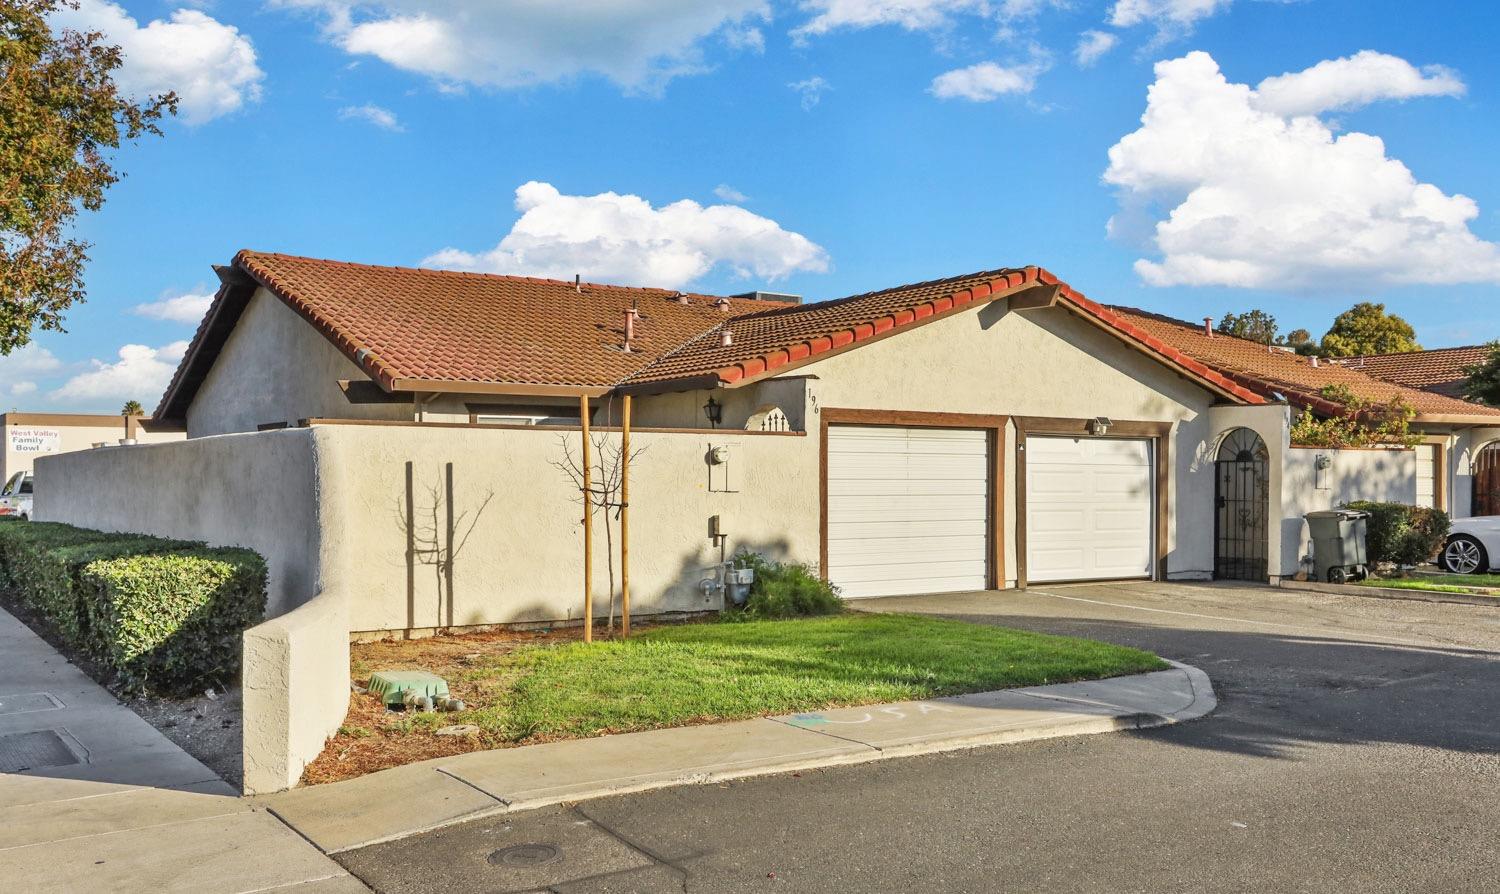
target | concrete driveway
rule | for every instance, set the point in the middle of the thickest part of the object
(1356, 748)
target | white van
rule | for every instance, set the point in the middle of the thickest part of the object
(15, 499)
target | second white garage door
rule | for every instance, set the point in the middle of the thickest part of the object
(908, 509)
(1089, 509)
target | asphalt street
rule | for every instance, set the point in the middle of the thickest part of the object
(1356, 748)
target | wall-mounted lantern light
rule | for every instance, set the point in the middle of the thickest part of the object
(714, 411)
(1099, 426)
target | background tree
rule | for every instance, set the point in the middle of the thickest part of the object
(132, 408)
(1254, 325)
(1301, 341)
(1366, 328)
(60, 115)
(1483, 382)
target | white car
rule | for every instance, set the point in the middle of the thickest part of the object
(15, 499)
(1473, 545)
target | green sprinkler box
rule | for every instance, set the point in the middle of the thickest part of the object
(392, 686)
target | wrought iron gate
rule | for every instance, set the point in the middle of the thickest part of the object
(1242, 500)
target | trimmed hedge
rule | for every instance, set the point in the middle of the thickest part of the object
(1402, 534)
(173, 621)
(164, 615)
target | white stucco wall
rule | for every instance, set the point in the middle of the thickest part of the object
(276, 368)
(254, 490)
(523, 556)
(1380, 475)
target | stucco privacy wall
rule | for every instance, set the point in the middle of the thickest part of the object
(256, 490)
(1382, 475)
(276, 368)
(516, 541)
(994, 360)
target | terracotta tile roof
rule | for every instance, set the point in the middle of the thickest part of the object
(413, 329)
(1440, 371)
(436, 325)
(1267, 371)
(764, 342)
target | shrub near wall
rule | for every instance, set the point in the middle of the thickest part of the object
(172, 622)
(162, 614)
(1402, 534)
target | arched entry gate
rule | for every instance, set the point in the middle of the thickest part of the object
(1242, 500)
(1486, 479)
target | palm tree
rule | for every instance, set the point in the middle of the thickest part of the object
(132, 408)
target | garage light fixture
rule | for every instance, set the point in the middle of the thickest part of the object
(1099, 426)
(714, 411)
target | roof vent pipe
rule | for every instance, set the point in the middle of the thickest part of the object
(578, 283)
(1314, 359)
(1208, 326)
(722, 304)
(629, 327)
(726, 338)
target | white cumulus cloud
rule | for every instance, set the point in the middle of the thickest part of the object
(1351, 82)
(1180, 13)
(640, 44)
(21, 389)
(210, 65)
(986, 81)
(730, 194)
(383, 118)
(622, 238)
(1092, 45)
(1263, 199)
(185, 308)
(28, 360)
(141, 373)
(913, 15)
(811, 90)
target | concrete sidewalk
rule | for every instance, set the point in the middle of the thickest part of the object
(93, 798)
(407, 800)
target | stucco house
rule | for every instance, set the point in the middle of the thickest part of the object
(397, 443)
(989, 430)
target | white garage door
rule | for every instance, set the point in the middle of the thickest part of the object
(908, 509)
(1427, 475)
(1088, 509)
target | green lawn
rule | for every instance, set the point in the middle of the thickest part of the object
(695, 673)
(1437, 583)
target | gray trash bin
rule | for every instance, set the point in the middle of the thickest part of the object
(1338, 537)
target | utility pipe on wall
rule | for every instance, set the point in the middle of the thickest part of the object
(588, 525)
(624, 520)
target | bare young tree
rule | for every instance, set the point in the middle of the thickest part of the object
(607, 471)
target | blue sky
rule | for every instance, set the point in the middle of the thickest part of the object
(860, 143)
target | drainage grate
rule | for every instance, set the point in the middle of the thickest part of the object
(526, 855)
(28, 702)
(20, 752)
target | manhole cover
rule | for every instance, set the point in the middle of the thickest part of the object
(27, 702)
(20, 752)
(523, 855)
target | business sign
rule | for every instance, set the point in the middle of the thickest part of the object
(34, 440)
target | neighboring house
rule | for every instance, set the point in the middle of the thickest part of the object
(32, 435)
(990, 430)
(1441, 371)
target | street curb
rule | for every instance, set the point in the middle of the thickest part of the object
(1391, 593)
(1203, 701)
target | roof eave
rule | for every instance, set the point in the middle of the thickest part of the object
(518, 389)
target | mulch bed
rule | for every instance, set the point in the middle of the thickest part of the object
(373, 738)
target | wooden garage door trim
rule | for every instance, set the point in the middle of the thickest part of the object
(994, 425)
(1156, 432)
